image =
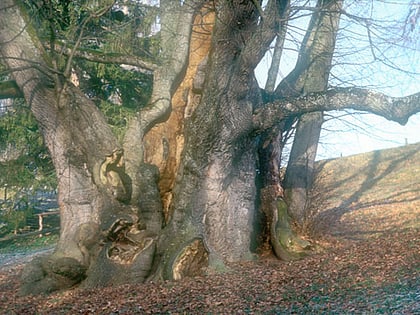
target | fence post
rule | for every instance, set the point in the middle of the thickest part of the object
(40, 225)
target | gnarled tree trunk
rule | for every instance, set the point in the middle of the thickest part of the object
(164, 143)
(215, 193)
(78, 148)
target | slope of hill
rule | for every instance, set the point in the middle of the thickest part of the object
(367, 195)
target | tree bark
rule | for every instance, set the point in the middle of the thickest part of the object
(92, 184)
(398, 109)
(164, 143)
(214, 195)
(269, 160)
(176, 20)
(300, 168)
(310, 75)
(56, 114)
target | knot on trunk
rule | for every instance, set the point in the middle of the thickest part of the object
(284, 241)
(114, 177)
(191, 260)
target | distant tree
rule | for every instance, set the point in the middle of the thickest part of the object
(182, 187)
(25, 166)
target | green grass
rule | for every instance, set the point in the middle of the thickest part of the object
(28, 243)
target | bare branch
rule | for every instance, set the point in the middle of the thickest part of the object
(101, 57)
(398, 109)
(259, 9)
(101, 11)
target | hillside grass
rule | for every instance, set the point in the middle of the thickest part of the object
(367, 195)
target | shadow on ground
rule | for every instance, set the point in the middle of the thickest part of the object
(384, 185)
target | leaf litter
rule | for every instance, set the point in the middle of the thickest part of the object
(367, 262)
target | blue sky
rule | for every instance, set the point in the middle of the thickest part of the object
(395, 48)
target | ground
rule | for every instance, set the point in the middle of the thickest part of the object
(366, 227)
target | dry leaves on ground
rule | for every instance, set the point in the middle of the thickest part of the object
(344, 278)
(368, 262)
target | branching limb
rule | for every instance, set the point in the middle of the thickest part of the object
(97, 56)
(273, 21)
(177, 19)
(398, 109)
(99, 12)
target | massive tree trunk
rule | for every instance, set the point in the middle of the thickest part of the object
(164, 143)
(77, 146)
(110, 214)
(215, 195)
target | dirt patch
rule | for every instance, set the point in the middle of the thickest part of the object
(12, 260)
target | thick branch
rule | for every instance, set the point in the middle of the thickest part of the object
(273, 21)
(96, 56)
(9, 89)
(398, 109)
(176, 26)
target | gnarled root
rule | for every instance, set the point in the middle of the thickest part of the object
(127, 242)
(48, 274)
(285, 243)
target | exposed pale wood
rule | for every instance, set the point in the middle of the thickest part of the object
(165, 142)
(41, 217)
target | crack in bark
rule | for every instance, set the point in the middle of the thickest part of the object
(128, 241)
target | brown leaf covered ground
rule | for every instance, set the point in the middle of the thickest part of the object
(366, 226)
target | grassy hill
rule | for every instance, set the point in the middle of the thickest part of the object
(367, 195)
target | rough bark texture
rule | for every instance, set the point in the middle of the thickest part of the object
(213, 190)
(398, 109)
(214, 196)
(269, 155)
(300, 169)
(77, 147)
(311, 75)
(176, 19)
